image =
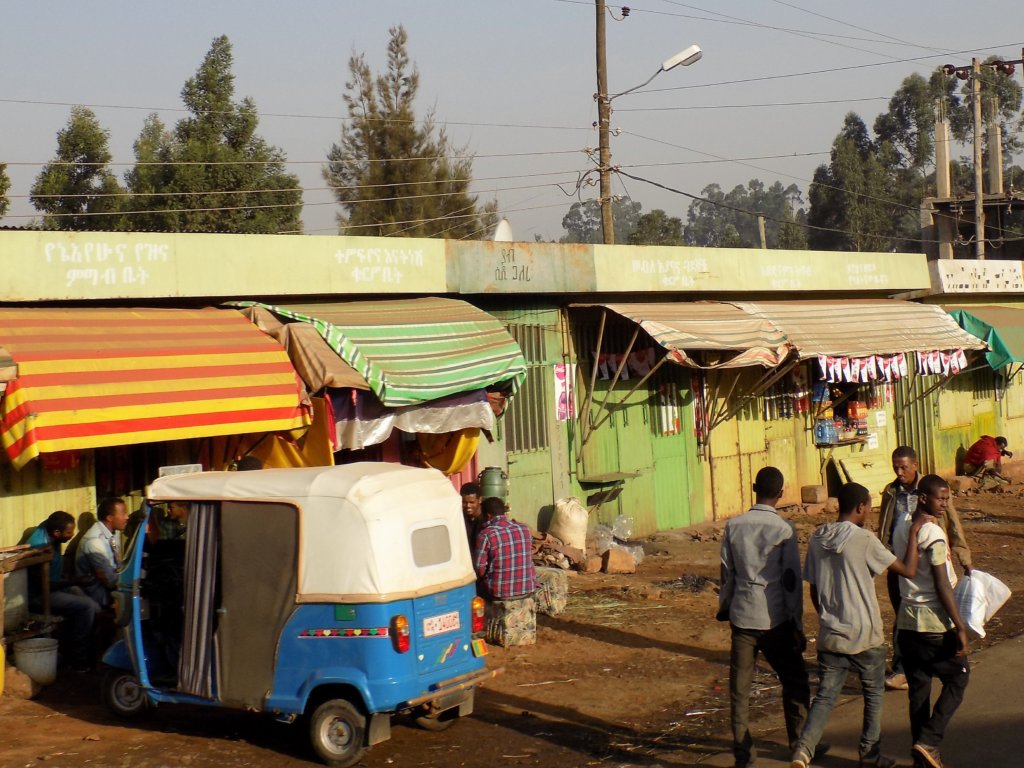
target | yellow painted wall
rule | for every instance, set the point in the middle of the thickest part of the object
(735, 270)
(42, 266)
(28, 496)
(744, 444)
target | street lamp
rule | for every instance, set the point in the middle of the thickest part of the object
(686, 57)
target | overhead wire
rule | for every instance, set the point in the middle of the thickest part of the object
(768, 217)
(297, 115)
(824, 71)
(855, 26)
(727, 20)
(807, 35)
(754, 106)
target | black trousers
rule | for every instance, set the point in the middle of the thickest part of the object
(779, 646)
(927, 655)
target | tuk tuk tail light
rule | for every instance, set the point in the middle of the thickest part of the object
(400, 633)
(478, 614)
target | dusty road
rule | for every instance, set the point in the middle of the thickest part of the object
(633, 673)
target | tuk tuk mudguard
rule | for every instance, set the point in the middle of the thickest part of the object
(118, 656)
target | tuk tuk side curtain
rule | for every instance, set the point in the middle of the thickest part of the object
(413, 351)
(89, 378)
(196, 668)
(1002, 328)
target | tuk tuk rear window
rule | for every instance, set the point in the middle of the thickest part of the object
(431, 546)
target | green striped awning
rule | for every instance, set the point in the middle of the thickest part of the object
(413, 351)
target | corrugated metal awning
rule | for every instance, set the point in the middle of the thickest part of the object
(1002, 328)
(89, 378)
(412, 351)
(707, 326)
(862, 327)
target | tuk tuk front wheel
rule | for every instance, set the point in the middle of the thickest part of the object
(123, 694)
(337, 731)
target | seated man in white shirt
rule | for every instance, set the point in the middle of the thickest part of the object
(98, 557)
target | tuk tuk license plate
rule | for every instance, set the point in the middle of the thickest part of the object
(436, 625)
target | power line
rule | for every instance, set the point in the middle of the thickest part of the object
(755, 106)
(799, 33)
(848, 68)
(295, 115)
(862, 29)
(768, 217)
(732, 21)
(330, 188)
(249, 207)
(217, 163)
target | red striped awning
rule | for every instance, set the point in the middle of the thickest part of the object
(89, 378)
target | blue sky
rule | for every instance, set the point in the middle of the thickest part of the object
(514, 81)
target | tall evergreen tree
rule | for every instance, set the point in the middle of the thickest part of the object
(5, 186)
(391, 173)
(220, 175)
(73, 188)
(151, 174)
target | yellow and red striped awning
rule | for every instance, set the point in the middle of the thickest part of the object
(89, 378)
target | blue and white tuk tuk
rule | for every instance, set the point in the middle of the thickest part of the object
(338, 595)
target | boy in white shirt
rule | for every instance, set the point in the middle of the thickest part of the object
(843, 559)
(932, 636)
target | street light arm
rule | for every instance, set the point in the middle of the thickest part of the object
(637, 87)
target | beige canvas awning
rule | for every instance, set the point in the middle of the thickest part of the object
(743, 338)
(863, 327)
(316, 363)
(8, 368)
(766, 332)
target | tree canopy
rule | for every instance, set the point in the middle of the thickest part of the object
(5, 186)
(76, 190)
(212, 173)
(729, 220)
(394, 174)
(582, 224)
(657, 228)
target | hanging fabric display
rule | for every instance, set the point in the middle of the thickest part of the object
(888, 368)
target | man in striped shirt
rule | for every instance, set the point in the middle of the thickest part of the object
(503, 556)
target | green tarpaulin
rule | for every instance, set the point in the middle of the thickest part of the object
(412, 351)
(1002, 328)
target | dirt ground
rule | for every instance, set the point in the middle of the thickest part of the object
(634, 672)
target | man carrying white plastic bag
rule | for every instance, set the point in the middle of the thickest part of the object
(978, 596)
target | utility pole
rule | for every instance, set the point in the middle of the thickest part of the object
(979, 177)
(604, 114)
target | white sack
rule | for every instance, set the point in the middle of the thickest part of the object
(978, 596)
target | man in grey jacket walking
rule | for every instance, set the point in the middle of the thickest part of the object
(762, 599)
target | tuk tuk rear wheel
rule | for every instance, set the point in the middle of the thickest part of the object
(123, 694)
(337, 731)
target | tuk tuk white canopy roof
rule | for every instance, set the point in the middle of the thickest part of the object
(356, 525)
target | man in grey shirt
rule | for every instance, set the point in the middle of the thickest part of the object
(762, 599)
(843, 560)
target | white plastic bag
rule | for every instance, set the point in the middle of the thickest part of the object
(569, 522)
(978, 597)
(623, 527)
